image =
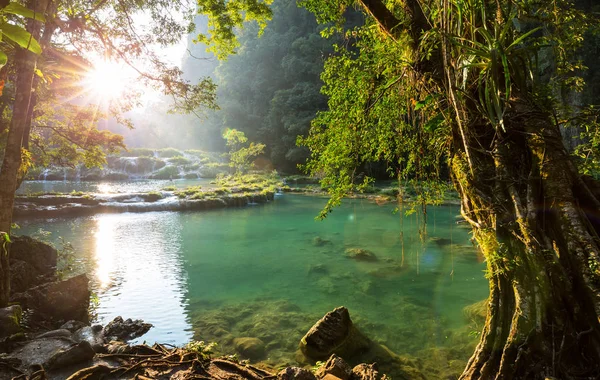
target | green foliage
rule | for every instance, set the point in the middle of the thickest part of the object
(202, 348)
(241, 154)
(66, 135)
(588, 151)
(225, 16)
(270, 88)
(17, 34)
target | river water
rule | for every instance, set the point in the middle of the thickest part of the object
(270, 271)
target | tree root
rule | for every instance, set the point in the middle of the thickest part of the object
(164, 363)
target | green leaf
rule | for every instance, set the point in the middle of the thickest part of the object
(434, 123)
(3, 59)
(20, 36)
(423, 103)
(516, 42)
(19, 10)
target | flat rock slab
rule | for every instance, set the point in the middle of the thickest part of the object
(39, 351)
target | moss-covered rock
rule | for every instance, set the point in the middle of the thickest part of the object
(249, 347)
(10, 320)
(360, 254)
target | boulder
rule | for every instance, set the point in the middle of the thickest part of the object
(10, 320)
(295, 373)
(23, 276)
(32, 263)
(124, 330)
(93, 335)
(252, 348)
(335, 366)
(78, 353)
(59, 300)
(38, 254)
(360, 254)
(38, 351)
(72, 326)
(334, 333)
(60, 333)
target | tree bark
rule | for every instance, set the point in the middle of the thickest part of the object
(25, 63)
(534, 218)
(529, 210)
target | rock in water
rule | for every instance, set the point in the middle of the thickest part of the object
(124, 330)
(10, 319)
(295, 373)
(60, 300)
(252, 348)
(366, 372)
(360, 254)
(334, 333)
(335, 366)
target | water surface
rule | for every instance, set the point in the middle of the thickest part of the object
(271, 271)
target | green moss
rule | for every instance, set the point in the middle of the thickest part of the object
(168, 172)
(168, 152)
(179, 160)
(137, 152)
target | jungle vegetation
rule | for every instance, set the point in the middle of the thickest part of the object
(457, 82)
(479, 89)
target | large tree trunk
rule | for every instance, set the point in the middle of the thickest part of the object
(537, 222)
(533, 217)
(25, 62)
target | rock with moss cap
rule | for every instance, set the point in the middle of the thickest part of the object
(334, 333)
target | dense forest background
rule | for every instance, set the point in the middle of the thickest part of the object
(270, 90)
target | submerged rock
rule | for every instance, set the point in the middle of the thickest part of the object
(10, 319)
(366, 372)
(388, 271)
(319, 241)
(476, 312)
(295, 373)
(360, 254)
(124, 330)
(318, 269)
(335, 366)
(252, 348)
(334, 333)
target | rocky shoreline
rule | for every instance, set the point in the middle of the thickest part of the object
(50, 206)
